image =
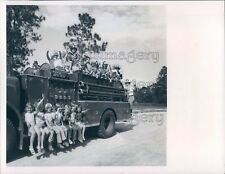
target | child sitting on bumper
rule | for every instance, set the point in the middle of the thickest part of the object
(40, 126)
(58, 125)
(49, 119)
(72, 122)
(65, 123)
(80, 121)
(30, 121)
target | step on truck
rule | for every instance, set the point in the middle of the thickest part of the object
(105, 100)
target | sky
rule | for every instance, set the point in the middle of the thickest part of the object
(137, 31)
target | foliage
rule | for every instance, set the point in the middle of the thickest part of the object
(22, 21)
(83, 39)
(154, 93)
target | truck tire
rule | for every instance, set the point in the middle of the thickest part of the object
(107, 125)
(11, 138)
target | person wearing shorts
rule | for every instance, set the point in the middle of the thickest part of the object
(49, 120)
(66, 127)
(80, 121)
(40, 125)
(30, 122)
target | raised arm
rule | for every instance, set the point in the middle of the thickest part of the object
(40, 103)
(84, 119)
(84, 111)
(26, 119)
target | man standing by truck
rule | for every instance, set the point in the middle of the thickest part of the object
(130, 92)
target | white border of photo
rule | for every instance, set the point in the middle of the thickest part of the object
(195, 118)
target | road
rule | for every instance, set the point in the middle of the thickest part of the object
(141, 143)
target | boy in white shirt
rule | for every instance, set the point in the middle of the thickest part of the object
(58, 127)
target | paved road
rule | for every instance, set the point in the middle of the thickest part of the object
(144, 143)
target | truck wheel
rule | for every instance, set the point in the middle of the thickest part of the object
(11, 138)
(107, 125)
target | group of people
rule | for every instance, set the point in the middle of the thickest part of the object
(71, 62)
(67, 122)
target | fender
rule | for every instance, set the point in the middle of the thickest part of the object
(17, 114)
(20, 127)
(13, 104)
(111, 109)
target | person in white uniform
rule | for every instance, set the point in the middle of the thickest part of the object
(130, 92)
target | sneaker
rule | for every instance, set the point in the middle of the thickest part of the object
(60, 146)
(42, 150)
(81, 140)
(74, 142)
(70, 142)
(39, 149)
(67, 144)
(50, 148)
(32, 151)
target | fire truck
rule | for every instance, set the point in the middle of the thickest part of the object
(105, 100)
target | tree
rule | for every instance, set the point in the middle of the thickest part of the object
(82, 40)
(160, 87)
(155, 93)
(22, 21)
(143, 95)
